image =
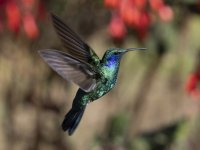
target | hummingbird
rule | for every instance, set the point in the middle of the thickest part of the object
(81, 65)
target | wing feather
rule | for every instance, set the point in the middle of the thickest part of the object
(73, 43)
(70, 68)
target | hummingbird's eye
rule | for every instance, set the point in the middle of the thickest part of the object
(115, 53)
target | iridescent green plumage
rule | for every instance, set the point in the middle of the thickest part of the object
(82, 66)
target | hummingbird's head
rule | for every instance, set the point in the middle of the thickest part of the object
(115, 54)
(118, 52)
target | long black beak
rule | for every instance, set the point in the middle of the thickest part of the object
(133, 49)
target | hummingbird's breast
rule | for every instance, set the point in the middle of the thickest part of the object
(106, 83)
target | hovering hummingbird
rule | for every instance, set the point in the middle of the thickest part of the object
(81, 65)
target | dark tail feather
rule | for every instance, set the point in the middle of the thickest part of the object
(72, 119)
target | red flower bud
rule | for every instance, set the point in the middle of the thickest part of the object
(130, 15)
(28, 4)
(140, 3)
(166, 13)
(156, 4)
(117, 28)
(13, 16)
(112, 4)
(144, 23)
(30, 26)
(192, 85)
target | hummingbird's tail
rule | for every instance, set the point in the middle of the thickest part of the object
(72, 119)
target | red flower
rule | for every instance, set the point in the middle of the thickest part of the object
(28, 4)
(156, 4)
(113, 4)
(30, 26)
(130, 15)
(14, 16)
(117, 28)
(144, 23)
(192, 85)
(22, 14)
(140, 3)
(166, 13)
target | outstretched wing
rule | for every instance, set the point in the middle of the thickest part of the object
(73, 43)
(70, 68)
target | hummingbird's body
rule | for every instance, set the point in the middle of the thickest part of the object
(81, 65)
(109, 70)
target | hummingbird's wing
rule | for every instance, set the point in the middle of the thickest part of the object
(73, 43)
(70, 68)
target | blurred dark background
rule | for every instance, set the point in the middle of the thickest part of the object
(155, 104)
